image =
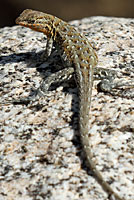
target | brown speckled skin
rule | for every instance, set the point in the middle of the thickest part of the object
(76, 51)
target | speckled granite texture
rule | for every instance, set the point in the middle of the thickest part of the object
(40, 152)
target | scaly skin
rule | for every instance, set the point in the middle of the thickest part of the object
(77, 52)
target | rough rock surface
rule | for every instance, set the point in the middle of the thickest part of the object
(40, 151)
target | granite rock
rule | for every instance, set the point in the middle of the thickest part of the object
(40, 152)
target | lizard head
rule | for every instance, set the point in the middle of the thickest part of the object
(37, 21)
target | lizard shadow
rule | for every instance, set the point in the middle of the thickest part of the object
(32, 59)
(19, 57)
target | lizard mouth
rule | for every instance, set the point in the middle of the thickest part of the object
(35, 27)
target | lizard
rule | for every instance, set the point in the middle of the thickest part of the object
(80, 58)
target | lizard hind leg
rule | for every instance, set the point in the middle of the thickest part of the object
(57, 77)
(119, 88)
(113, 84)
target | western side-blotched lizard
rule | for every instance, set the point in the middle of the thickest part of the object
(80, 58)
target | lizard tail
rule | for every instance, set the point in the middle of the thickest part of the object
(85, 92)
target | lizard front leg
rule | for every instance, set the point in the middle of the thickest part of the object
(48, 50)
